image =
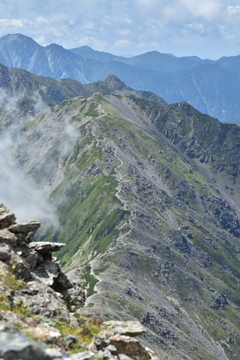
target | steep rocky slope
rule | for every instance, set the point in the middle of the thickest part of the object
(38, 302)
(147, 196)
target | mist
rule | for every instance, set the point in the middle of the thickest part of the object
(19, 192)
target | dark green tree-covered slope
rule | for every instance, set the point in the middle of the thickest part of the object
(147, 201)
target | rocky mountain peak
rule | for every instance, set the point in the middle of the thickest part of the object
(114, 82)
(18, 38)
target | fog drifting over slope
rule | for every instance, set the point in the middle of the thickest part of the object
(19, 191)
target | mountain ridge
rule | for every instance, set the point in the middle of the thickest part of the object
(175, 79)
(20, 85)
(149, 214)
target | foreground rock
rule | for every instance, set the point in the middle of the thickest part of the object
(14, 345)
(118, 338)
(31, 261)
(36, 298)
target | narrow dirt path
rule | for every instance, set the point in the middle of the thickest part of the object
(119, 178)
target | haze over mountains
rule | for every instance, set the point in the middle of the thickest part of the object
(210, 86)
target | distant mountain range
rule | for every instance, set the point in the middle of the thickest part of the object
(212, 87)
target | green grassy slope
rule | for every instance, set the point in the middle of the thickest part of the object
(149, 215)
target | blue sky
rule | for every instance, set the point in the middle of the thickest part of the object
(206, 28)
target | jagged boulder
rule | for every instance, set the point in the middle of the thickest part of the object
(25, 227)
(7, 218)
(46, 247)
(19, 266)
(25, 230)
(30, 260)
(129, 346)
(75, 296)
(8, 237)
(5, 251)
(130, 328)
(41, 299)
(119, 336)
(14, 345)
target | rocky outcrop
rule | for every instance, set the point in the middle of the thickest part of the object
(14, 345)
(110, 344)
(31, 261)
(118, 338)
(46, 290)
(37, 301)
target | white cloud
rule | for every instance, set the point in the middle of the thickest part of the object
(198, 28)
(208, 9)
(12, 22)
(122, 43)
(233, 10)
(124, 32)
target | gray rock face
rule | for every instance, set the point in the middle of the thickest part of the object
(14, 345)
(114, 340)
(25, 230)
(5, 252)
(130, 328)
(24, 227)
(6, 235)
(32, 261)
(129, 346)
(41, 299)
(6, 219)
(46, 247)
(75, 296)
(41, 295)
(19, 265)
